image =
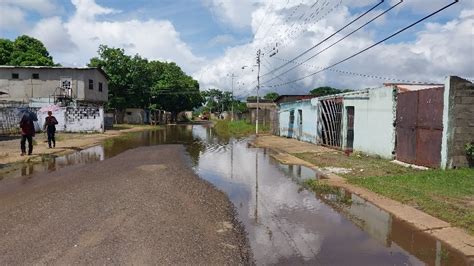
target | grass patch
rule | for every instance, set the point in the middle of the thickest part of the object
(328, 192)
(448, 195)
(237, 128)
(361, 164)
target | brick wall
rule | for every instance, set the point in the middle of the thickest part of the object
(458, 122)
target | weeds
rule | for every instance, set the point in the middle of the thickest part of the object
(236, 128)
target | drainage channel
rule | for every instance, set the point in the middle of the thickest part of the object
(285, 223)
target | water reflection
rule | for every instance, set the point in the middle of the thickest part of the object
(285, 224)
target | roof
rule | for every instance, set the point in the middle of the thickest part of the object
(260, 101)
(404, 87)
(293, 97)
(60, 67)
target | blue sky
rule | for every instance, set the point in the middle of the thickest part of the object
(212, 38)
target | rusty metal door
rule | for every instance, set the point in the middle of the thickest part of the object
(350, 127)
(420, 127)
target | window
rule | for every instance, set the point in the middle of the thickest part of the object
(35, 76)
(91, 84)
(15, 76)
(100, 86)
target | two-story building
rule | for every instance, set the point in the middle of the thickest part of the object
(80, 94)
(41, 85)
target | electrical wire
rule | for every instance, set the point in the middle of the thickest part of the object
(330, 36)
(341, 39)
(369, 47)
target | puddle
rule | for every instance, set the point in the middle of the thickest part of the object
(285, 223)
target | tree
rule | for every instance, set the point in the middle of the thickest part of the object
(173, 90)
(137, 82)
(24, 51)
(271, 96)
(117, 65)
(323, 91)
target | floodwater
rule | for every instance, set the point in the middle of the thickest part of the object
(285, 223)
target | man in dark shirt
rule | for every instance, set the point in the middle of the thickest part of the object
(27, 133)
(50, 126)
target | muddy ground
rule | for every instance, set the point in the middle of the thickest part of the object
(144, 206)
(65, 143)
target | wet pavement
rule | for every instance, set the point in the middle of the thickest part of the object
(285, 223)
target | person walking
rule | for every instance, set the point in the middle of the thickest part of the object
(50, 126)
(27, 133)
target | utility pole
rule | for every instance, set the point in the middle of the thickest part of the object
(258, 88)
(232, 76)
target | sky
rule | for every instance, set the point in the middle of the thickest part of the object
(214, 39)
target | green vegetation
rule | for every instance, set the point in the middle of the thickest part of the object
(136, 82)
(323, 189)
(24, 51)
(448, 195)
(271, 96)
(361, 165)
(323, 91)
(236, 128)
(469, 148)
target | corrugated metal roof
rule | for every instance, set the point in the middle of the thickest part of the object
(58, 67)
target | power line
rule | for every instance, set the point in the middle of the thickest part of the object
(373, 76)
(291, 16)
(338, 41)
(330, 36)
(370, 47)
(312, 17)
(263, 19)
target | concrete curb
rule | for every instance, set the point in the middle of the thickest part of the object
(454, 237)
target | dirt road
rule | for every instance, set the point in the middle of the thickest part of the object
(65, 143)
(144, 206)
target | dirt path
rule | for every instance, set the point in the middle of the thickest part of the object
(65, 143)
(144, 206)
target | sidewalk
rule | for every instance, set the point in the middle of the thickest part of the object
(455, 237)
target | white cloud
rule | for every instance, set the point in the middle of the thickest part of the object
(54, 35)
(225, 39)
(11, 17)
(430, 55)
(236, 13)
(44, 7)
(76, 40)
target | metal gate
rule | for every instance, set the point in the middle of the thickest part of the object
(420, 127)
(330, 122)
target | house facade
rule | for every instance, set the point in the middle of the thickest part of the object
(78, 94)
(425, 124)
(40, 85)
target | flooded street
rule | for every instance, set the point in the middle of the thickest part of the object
(285, 223)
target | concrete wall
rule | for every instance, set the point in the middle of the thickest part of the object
(374, 116)
(135, 116)
(25, 88)
(458, 122)
(76, 119)
(309, 120)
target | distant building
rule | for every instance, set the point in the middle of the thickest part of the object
(267, 113)
(37, 86)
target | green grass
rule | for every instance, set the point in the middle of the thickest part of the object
(237, 128)
(448, 195)
(362, 165)
(323, 189)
